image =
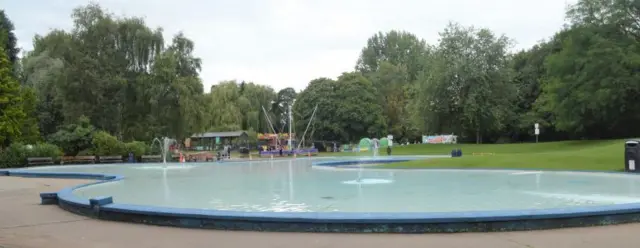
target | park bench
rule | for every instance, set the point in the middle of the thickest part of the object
(78, 160)
(110, 159)
(39, 161)
(151, 158)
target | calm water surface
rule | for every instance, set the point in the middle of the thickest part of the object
(296, 185)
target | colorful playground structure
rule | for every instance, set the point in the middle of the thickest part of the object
(366, 144)
(272, 142)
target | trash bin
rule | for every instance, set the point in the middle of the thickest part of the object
(631, 155)
(131, 158)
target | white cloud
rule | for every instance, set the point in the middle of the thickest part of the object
(287, 43)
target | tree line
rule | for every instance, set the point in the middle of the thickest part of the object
(118, 75)
(582, 83)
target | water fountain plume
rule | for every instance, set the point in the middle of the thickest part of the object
(164, 145)
(374, 146)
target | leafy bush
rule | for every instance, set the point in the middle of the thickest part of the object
(106, 144)
(45, 150)
(17, 153)
(13, 156)
(138, 148)
(74, 138)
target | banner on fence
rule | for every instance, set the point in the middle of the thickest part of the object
(439, 139)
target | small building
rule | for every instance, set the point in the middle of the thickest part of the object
(210, 140)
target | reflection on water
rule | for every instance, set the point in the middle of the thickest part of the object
(294, 186)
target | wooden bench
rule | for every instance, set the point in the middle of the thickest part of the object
(110, 159)
(39, 161)
(78, 160)
(151, 158)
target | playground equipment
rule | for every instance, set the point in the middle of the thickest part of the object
(364, 144)
(384, 142)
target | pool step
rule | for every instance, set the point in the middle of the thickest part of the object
(48, 198)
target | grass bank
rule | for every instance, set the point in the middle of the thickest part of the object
(569, 155)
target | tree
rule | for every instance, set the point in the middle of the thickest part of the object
(12, 114)
(392, 61)
(118, 73)
(467, 87)
(594, 95)
(347, 109)
(74, 138)
(8, 40)
(395, 47)
(392, 83)
(284, 98)
(30, 133)
(42, 73)
(620, 15)
(238, 106)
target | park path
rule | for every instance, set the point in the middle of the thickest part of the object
(24, 223)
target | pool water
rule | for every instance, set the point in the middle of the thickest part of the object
(298, 186)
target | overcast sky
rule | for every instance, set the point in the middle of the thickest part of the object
(287, 43)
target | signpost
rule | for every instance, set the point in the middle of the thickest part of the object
(536, 130)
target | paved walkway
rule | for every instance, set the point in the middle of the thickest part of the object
(25, 223)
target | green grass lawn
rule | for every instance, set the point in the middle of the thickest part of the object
(567, 155)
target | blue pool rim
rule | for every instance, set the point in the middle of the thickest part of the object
(334, 222)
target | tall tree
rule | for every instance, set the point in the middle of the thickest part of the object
(8, 40)
(468, 86)
(395, 47)
(347, 109)
(393, 61)
(12, 114)
(595, 95)
(284, 98)
(118, 73)
(42, 73)
(392, 86)
(238, 106)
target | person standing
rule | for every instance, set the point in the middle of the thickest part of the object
(224, 151)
